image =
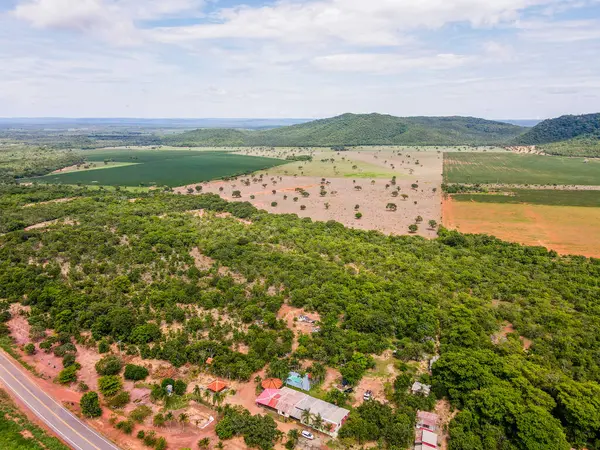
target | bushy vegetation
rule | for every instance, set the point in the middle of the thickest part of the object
(588, 145)
(130, 270)
(359, 129)
(22, 161)
(90, 405)
(135, 373)
(109, 365)
(258, 431)
(13, 428)
(561, 129)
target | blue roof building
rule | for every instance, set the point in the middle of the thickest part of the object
(296, 380)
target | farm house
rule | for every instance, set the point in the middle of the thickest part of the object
(297, 405)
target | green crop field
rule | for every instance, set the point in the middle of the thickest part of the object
(511, 168)
(161, 168)
(536, 197)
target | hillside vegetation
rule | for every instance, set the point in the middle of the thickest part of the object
(126, 271)
(359, 129)
(566, 135)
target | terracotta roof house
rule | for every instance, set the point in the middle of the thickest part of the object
(290, 403)
(217, 386)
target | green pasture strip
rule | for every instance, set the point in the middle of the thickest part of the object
(510, 168)
(536, 197)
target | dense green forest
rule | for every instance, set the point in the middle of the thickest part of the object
(120, 268)
(561, 129)
(588, 145)
(21, 161)
(359, 129)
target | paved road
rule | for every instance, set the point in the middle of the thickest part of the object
(73, 431)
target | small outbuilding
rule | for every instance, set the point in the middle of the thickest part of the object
(217, 386)
(272, 383)
(420, 388)
(298, 381)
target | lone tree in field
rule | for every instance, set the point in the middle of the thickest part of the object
(273, 204)
(404, 196)
(327, 205)
(413, 228)
(358, 215)
(274, 192)
(221, 189)
(432, 224)
(302, 207)
(356, 207)
(418, 219)
(391, 207)
(198, 188)
(414, 186)
(395, 194)
(190, 190)
(236, 194)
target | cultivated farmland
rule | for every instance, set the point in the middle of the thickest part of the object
(510, 168)
(565, 229)
(160, 167)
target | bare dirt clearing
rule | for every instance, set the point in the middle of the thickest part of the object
(565, 229)
(372, 190)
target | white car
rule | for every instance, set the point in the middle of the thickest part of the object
(307, 435)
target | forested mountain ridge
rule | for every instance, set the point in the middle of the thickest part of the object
(562, 129)
(359, 129)
(118, 268)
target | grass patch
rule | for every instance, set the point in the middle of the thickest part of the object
(510, 168)
(18, 433)
(8, 346)
(536, 197)
(160, 168)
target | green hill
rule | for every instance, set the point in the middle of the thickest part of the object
(562, 129)
(360, 129)
(566, 135)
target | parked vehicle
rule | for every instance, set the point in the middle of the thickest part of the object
(367, 395)
(308, 435)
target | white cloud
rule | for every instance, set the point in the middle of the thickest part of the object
(563, 31)
(388, 62)
(111, 20)
(359, 22)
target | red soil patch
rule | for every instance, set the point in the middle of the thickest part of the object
(565, 229)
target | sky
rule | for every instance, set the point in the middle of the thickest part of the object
(498, 59)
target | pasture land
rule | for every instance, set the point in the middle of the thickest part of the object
(368, 187)
(511, 168)
(161, 168)
(535, 197)
(565, 229)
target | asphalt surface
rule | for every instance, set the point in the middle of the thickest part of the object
(69, 428)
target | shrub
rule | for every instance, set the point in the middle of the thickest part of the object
(63, 349)
(109, 385)
(126, 426)
(150, 439)
(29, 349)
(46, 345)
(82, 387)
(135, 373)
(68, 374)
(161, 444)
(180, 387)
(68, 360)
(109, 365)
(141, 434)
(159, 420)
(140, 413)
(119, 400)
(103, 347)
(90, 405)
